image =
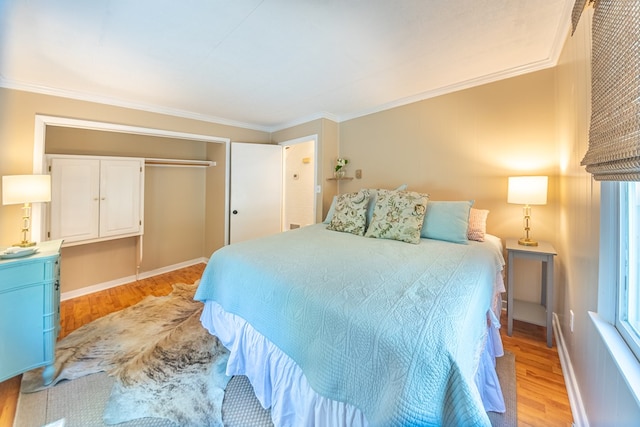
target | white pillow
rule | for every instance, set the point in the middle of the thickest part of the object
(477, 224)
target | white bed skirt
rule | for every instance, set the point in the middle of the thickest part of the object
(279, 383)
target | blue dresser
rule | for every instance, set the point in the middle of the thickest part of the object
(30, 311)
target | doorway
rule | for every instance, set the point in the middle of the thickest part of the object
(273, 187)
(299, 183)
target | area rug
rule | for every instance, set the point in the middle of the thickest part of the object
(154, 365)
(162, 363)
(240, 407)
(506, 369)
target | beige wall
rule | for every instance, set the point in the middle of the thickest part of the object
(88, 265)
(463, 146)
(65, 140)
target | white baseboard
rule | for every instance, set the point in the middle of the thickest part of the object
(575, 399)
(128, 279)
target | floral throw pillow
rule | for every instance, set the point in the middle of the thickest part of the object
(398, 215)
(350, 212)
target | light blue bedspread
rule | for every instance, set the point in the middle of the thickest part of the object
(392, 328)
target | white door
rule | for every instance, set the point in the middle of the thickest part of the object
(75, 203)
(256, 191)
(120, 193)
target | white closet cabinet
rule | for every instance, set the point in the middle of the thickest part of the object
(95, 198)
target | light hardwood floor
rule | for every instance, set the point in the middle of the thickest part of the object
(541, 393)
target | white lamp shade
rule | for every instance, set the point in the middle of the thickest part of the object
(527, 190)
(17, 189)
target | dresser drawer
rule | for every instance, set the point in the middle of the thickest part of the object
(19, 274)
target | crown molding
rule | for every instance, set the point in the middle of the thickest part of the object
(82, 96)
(305, 119)
(466, 84)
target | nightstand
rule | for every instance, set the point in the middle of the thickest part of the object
(531, 312)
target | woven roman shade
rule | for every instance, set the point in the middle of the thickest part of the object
(578, 7)
(614, 136)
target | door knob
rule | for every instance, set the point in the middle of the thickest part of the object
(235, 212)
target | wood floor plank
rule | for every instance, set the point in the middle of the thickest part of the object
(541, 393)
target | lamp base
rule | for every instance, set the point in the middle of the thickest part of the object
(25, 244)
(527, 242)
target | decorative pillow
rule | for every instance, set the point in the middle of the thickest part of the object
(447, 221)
(350, 211)
(477, 224)
(398, 215)
(332, 209)
(372, 202)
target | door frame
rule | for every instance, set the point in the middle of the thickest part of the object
(317, 190)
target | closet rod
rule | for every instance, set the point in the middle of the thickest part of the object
(179, 162)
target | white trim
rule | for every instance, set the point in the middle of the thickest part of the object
(129, 279)
(571, 382)
(105, 100)
(38, 213)
(338, 118)
(44, 120)
(444, 90)
(304, 120)
(227, 193)
(625, 360)
(564, 27)
(609, 250)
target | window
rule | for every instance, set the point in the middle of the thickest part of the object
(628, 307)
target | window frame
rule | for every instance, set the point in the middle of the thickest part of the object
(627, 332)
(604, 319)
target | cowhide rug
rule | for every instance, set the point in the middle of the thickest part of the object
(165, 364)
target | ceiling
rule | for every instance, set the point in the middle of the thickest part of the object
(268, 64)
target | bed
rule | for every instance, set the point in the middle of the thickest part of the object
(339, 329)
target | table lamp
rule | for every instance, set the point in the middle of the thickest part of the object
(527, 190)
(25, 189)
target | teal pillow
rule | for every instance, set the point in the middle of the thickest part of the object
(447, 221)
(332, 209)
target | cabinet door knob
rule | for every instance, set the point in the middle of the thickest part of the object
(235, 212)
